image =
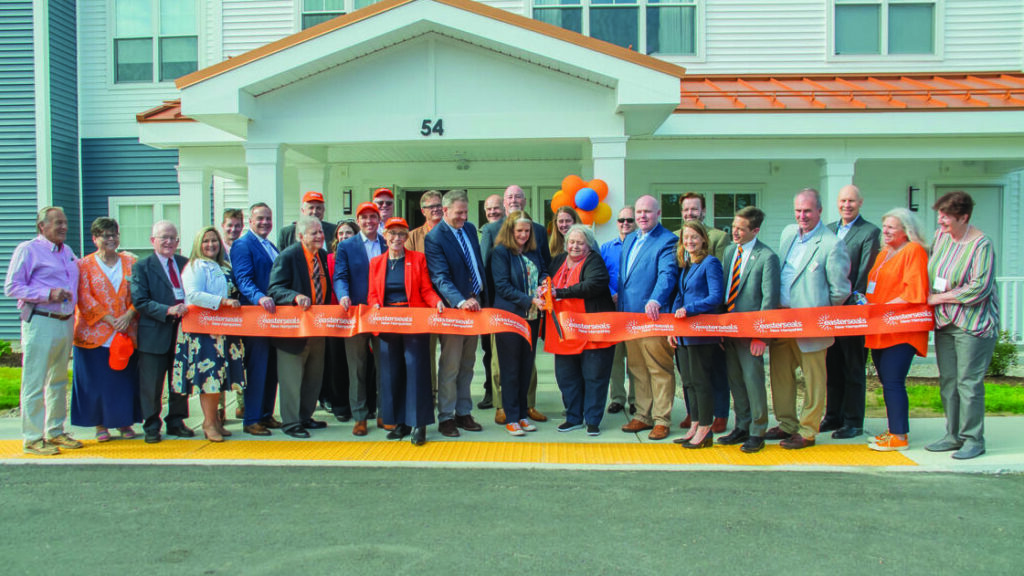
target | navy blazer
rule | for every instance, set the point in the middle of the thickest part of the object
(352, 269)
(250, 267)
(288, 278)
(701, 291)
(448, 269)
(152, 295)
(507, 274)
(654, 272)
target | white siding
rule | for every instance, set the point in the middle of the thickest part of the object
(228, 193)
(249, 24)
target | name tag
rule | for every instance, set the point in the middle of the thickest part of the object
(940, 284)
(871, 288)
(179, 293)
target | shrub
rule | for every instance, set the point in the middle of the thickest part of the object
(5, 348)
(1004, 357)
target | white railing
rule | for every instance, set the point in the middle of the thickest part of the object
(1011, 306)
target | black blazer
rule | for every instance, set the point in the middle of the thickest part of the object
(152, 295)
(290, 277)
(507, 273)
(593, 286)
(286, 237)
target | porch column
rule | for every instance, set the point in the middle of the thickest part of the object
(609, 162)
(266, 178)
(835, 173)
(194, 185)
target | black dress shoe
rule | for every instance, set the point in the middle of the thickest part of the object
(297, 432)
(180, 431)
(753, 444)
(737, 436)
(632, 409)
(828, 425)
(707, 442)
(487, 402)
(467, 423)
(343, 416)
(419, 436)
(448, 429)
(400, 431)
(847, 432)
(152, 437)
(615, 408)
(314, 424)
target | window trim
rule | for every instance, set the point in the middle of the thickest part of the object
(641, 6)
(884, 55)
(708, 189)
(115, 203)
(112, 38)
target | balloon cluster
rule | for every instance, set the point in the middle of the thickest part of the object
(587, 198)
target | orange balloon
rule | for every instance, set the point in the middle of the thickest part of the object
(602, 213)
(561, 198)
(586, 216)
(572, 183)
(599, 186)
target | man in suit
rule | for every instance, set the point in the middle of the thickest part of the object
(299, 278)
(647, 281)
(752, 284)
(514, 200)
(252, 257)
(351, 284)
(611, 251)
(814, 272)
(312, 205)
(847, 358)
(692, 206)
(457, 273)
(159, 298)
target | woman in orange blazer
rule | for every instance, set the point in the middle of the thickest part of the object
(101, 396)
(400, 278)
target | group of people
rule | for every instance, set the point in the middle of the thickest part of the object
(516, 265)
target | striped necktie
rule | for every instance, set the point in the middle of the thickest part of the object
(461, 235)
(318, 273)
(734, 282)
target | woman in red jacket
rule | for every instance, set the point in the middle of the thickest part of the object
(400, 278)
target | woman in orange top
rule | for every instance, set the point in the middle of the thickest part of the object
(900, 274)
(101, 396)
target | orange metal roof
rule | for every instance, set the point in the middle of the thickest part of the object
(882, 92)
(169, 111)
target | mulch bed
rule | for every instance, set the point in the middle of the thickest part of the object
(11, 360)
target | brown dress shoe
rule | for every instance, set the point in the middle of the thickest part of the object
(659, 433)
(360, 429)
(718, 425)
(536, 415)
(256, 429)
(467, 423)
(239, 412)
(796, 442)
(686, 423)
(448, 428)
(499, 416)
(636, 426)
(381, 424)
(272, 423)
(776, 433)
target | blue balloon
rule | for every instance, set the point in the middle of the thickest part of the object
(586, 199)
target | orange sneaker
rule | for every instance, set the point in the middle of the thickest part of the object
(893, 442)
(880, 438)
(514, 429)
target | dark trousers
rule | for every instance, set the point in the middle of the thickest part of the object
(334, 390)
(405, 393)
(515, 362)
(845, 365)
(485, 344)
(363, 375)
(893, 364)
(697, 360)
(260, 380)
(719, 377)
(153, 371)
(583, 380)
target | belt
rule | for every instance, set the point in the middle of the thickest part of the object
(53, 315)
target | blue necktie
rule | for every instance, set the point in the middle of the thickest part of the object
(469, 259)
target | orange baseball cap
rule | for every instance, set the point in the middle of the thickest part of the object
(313, 197)
(383, 192)
(396, 223)
(367, 206)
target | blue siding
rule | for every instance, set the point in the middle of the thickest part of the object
(17, 145)
(123, 167)
(64, 117)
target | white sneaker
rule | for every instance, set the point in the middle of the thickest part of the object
(527, 426)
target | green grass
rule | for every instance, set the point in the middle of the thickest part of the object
(10, 386)
(999, 398)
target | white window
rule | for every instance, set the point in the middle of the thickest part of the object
(135, 216)
(154, 40)
(666, 27)
(317, 11)
(884, 27)
(722, 201)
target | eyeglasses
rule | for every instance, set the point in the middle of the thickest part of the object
(383, 202)
(626, 220)
(167, 238)
(432, 207)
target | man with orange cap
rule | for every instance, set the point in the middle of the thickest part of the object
(384, 198)
(312, 205)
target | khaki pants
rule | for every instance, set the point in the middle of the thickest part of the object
(650, 367)
(785, 357)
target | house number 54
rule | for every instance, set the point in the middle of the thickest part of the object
(432, 127)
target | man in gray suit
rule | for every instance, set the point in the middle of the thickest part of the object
(752, 281)
(846, 359)
(815, 272)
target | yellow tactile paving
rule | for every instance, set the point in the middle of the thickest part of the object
(473, 452)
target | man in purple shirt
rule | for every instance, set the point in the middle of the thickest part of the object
(44, 278)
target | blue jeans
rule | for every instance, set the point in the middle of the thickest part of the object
(583, 379)
(893, 364)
